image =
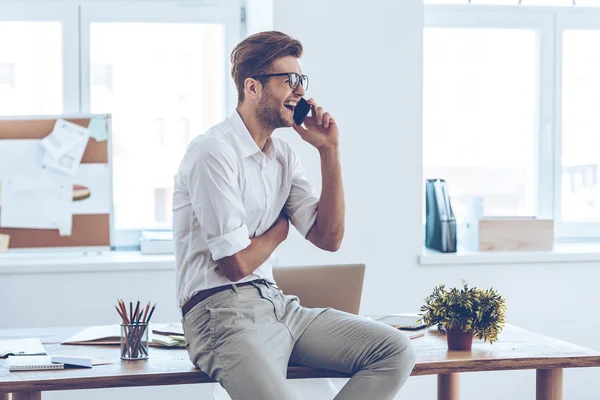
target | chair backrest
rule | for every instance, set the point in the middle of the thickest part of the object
(336, 286)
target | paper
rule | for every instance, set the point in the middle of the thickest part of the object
(97, 129)
(29, 346)
(4, 242)
(68, 163)
(64, 137)
(111, 334)
(78, 360)
(42, 202)
(20, 156)
(32, 196)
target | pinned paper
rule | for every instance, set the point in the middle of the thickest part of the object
(69, 162)
(97, 129)
(4, 241)
(43, 202)
(64, 137)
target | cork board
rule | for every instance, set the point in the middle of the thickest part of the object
(91, 223)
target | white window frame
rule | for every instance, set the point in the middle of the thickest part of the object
(76, 17)
(548, 22)
(588, 18)
(69, 17)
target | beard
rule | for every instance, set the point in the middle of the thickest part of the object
(269, 112)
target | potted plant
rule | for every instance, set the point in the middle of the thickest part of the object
(465, 312)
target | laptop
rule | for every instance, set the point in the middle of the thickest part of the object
(319, 286)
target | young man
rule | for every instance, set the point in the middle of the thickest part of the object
(235, 191)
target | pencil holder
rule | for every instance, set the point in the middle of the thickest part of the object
(134, 341)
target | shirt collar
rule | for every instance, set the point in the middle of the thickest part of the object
(245, 140)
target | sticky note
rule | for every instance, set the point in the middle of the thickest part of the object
(97, 129)
(4, 240)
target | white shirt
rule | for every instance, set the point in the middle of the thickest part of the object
(227, 191)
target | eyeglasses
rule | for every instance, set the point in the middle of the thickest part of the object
(294, 79)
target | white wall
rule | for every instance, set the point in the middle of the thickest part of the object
(365, 65)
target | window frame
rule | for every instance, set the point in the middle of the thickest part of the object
(69, 17)
(76, 18)
(549, 23)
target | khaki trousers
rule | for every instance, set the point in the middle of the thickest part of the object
(245, 337)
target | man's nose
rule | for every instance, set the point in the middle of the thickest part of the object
(299, 91)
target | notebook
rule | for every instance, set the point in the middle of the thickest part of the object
(25, 347)
(72, 361)
(32, 363)
(175, 329)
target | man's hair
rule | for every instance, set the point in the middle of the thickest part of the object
(255, 56)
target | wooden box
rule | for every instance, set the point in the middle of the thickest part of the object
(509, 234)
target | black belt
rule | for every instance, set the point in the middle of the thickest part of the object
(205, 294)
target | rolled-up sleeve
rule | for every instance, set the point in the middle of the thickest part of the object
(215, 197)
(303, 201)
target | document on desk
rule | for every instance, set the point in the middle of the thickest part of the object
(21, 347)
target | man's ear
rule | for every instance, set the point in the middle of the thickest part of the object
(253, 88)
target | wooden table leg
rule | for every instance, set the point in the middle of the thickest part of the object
(4, 396)
(27, 396)
(448, 387)
(549, 384)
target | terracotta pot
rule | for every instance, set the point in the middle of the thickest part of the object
(459, 340)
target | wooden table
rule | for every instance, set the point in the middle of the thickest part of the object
(516, 349)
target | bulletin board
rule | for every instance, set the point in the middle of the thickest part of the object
(92, 183)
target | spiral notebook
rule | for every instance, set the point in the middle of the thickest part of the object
(32, 363)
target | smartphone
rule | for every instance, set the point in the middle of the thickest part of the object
(301, 111)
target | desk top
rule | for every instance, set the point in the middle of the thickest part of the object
(516, 349)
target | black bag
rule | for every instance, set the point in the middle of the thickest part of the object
(440, 224)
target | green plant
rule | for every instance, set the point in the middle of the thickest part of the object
(468, 309)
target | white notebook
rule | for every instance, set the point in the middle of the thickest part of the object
(32, 363)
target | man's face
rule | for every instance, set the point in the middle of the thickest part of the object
(275, 107)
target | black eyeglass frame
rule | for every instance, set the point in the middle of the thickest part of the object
(289, 75)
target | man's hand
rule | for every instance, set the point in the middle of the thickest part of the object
(321, 130)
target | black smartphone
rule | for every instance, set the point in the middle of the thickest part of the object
(301, 111)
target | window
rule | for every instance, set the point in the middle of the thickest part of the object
(510, 98)
(475, 78)
(160, 69)
(36, 73)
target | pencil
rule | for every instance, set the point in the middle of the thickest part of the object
(146, 312)
(151, 311)
(135, 314)
(121, 315)
(130, 310)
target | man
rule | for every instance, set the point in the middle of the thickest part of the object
(235, 191)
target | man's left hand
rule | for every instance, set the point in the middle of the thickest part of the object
(321, 130)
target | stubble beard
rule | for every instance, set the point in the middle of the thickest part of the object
(269, 113)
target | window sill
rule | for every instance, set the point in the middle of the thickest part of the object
(48, 262)
(562, 253)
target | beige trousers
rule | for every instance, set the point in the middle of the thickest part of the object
(245, 337)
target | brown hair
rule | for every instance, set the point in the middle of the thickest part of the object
(255, 56)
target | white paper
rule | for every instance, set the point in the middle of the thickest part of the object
(69, 162)
(97, 129)
(42, 201)
(64, 137)
(20, 155)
